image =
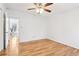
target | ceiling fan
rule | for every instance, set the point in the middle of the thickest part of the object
(40, 7)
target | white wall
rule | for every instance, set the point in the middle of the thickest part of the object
(1, 27)
(64, 27)
(32, 27)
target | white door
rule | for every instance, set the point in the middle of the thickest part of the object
(11, 23)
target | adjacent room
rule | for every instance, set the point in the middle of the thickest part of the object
(39, 29)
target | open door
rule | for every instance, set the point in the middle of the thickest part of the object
(12, 35)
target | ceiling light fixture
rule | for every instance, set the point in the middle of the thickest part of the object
(39, 10)
(40, 7)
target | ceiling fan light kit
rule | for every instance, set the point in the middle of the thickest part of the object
(39, 10)
(40, 7)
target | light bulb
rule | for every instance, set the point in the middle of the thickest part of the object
(41, 10)
(37, 10)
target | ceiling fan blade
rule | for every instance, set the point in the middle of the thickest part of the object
(47, 4)
(35, 3)
(31, 9)
(47, 10)
(40, 4)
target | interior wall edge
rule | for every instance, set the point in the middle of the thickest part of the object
(65, 43)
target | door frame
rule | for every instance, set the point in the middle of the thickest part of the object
(4, 31)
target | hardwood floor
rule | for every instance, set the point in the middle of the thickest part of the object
(46, 47)
(2, 53)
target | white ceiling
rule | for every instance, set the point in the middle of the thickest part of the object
(57, 7)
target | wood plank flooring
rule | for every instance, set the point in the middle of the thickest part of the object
(46, 47)
(2, 53)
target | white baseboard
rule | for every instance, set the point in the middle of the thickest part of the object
(64, 43)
